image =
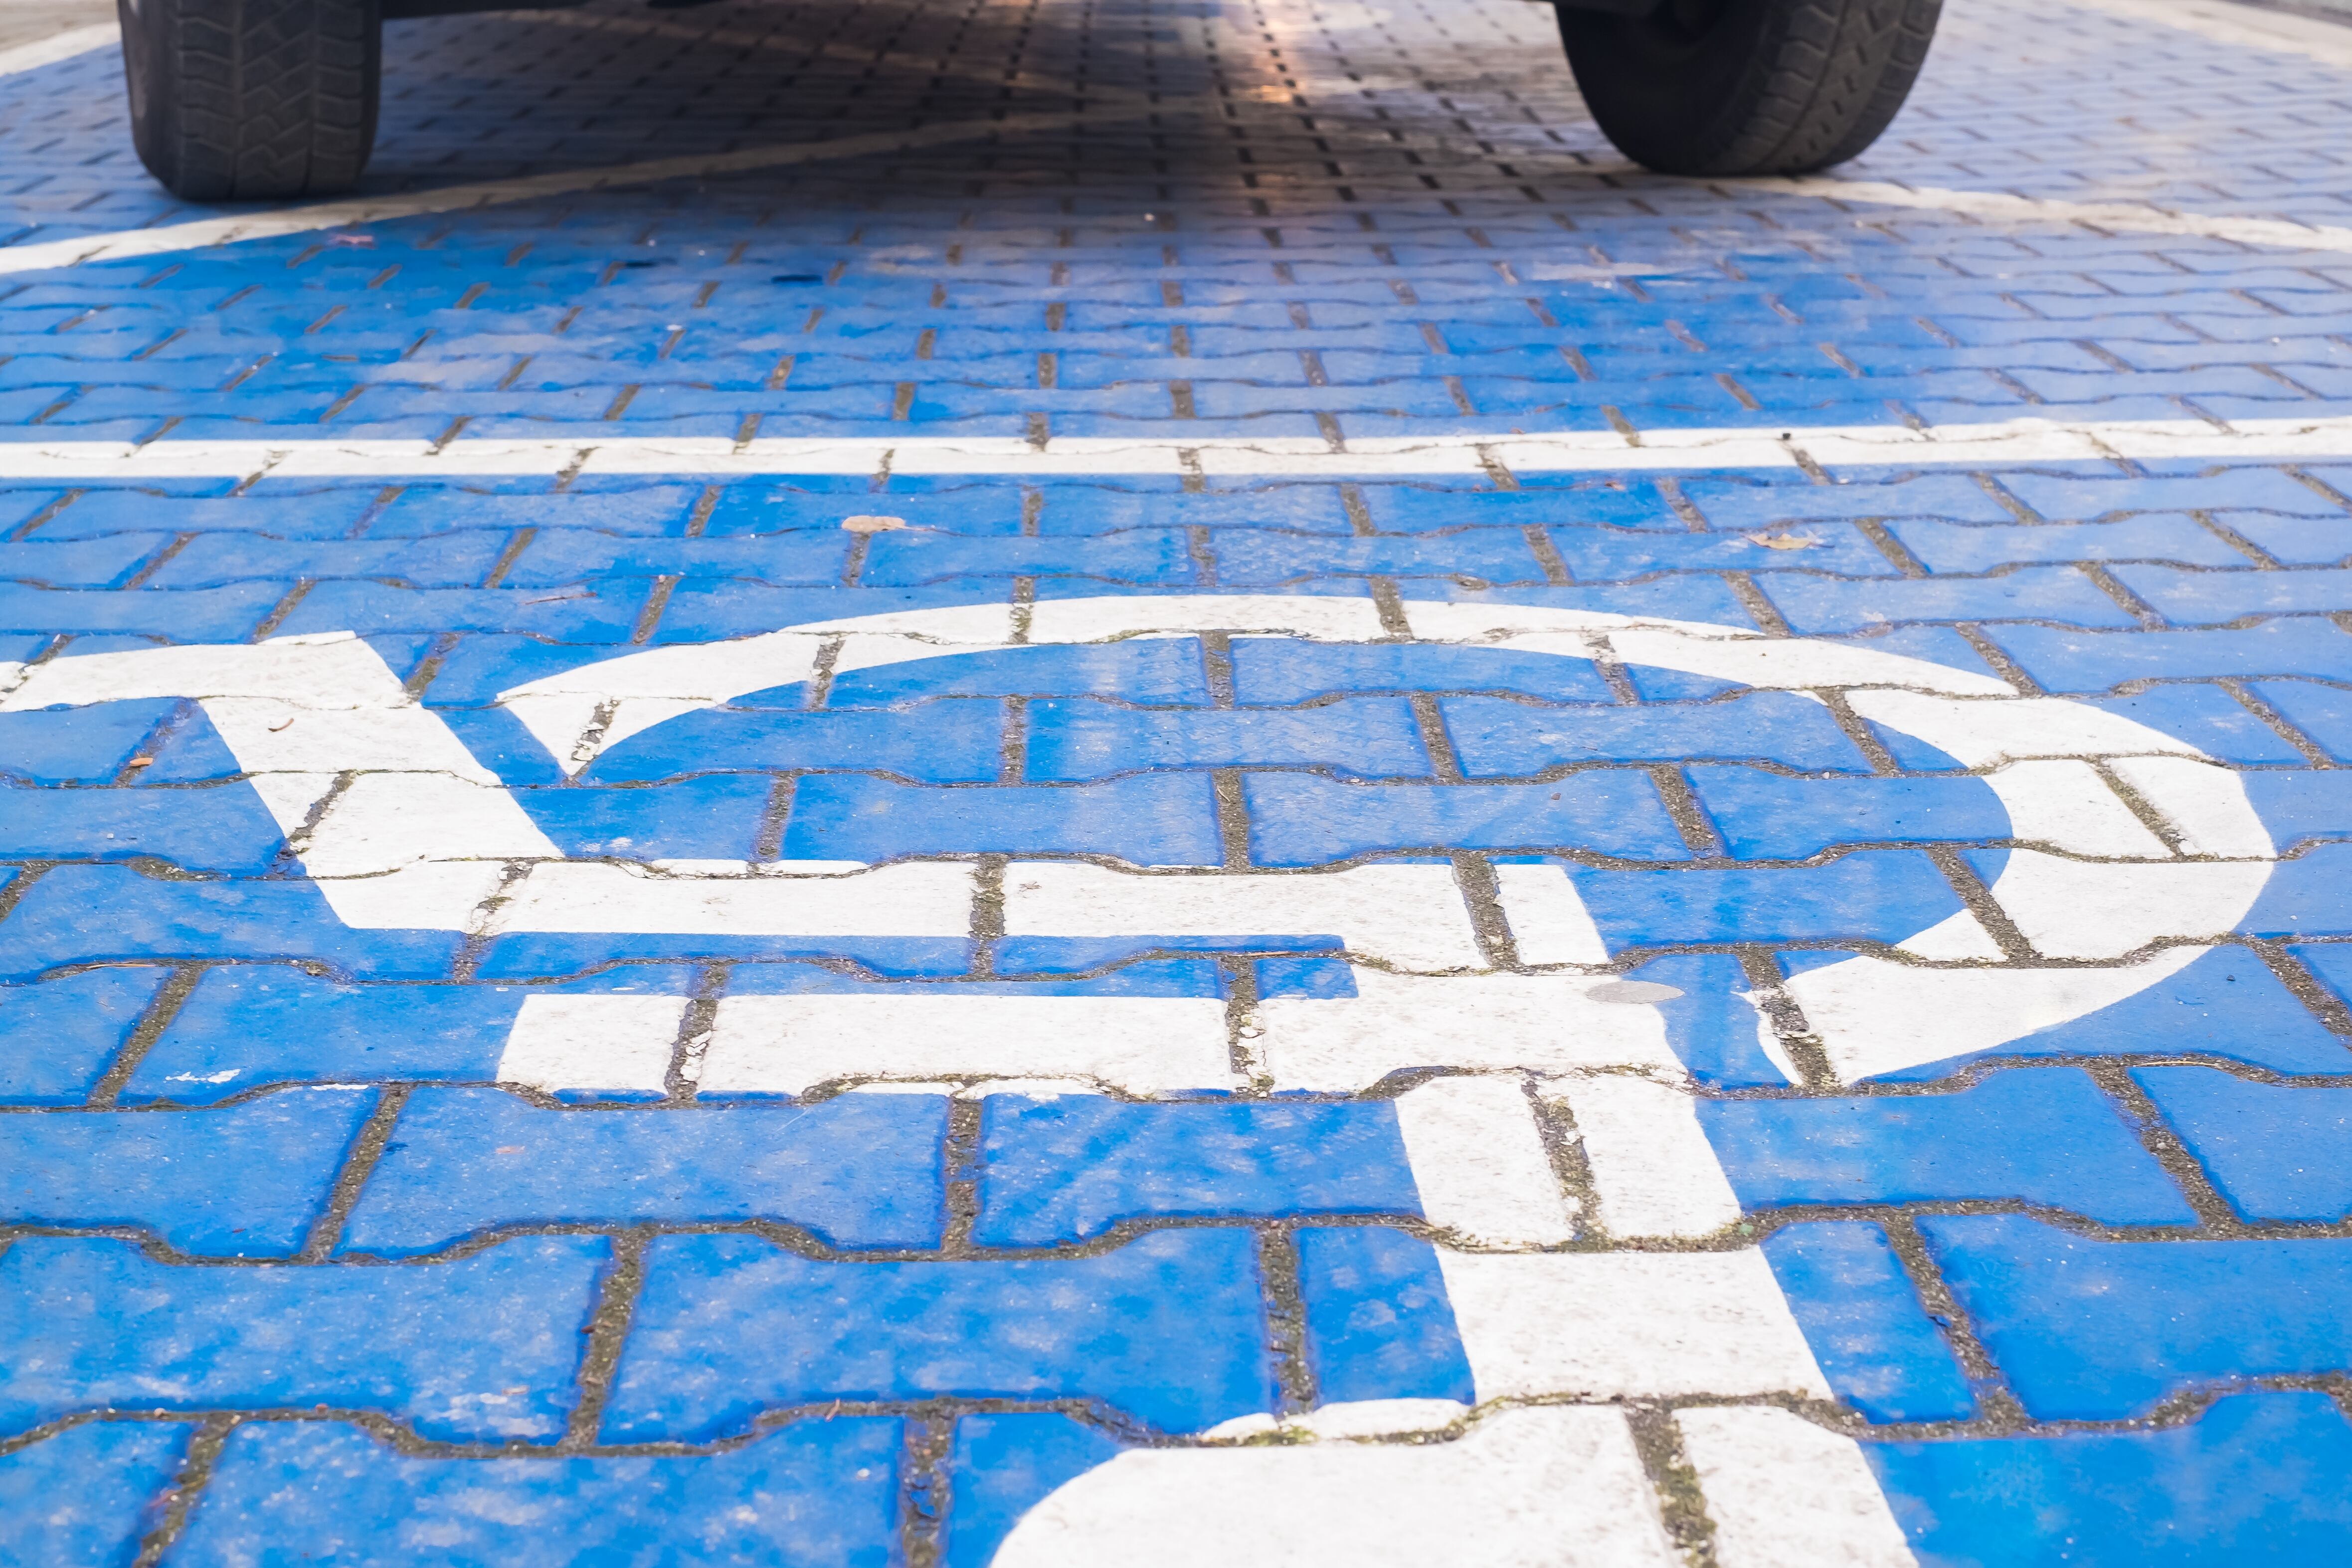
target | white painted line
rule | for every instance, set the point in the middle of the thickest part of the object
(1783, 1493)
(1480, 1165)
(19, 58)
(1560, 1486)
(206, 232)
(1654, 1172)
(789, 1044)
(1633, 1325)
(2111, 218)
(596, 451)
(624, 1043)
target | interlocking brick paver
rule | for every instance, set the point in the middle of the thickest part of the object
(731, 1326)
(2047, 1136)
(481, 1348)
(827, 1488)
(860, 1171)
(2274, 1150)
(1496, 736)
(2097, 1330)
(82, 1494)
(80, 1022)
(1877, 1343)
(1175, 785)
(1868, 895)
(246, 1180)
(2252, 1476)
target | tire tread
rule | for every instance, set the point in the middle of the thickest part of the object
(1787, 86)
(253, 100)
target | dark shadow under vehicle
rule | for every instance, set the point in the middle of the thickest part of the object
(267, 100)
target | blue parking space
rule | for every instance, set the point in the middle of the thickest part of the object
(1157, 782)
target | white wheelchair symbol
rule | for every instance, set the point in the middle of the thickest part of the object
(402, 828)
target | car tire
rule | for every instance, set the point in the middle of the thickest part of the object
(1748, 87)
(253, 100)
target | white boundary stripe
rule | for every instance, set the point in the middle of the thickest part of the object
(22, 57)
(2115, 218)
(597, 452)
(205, 232)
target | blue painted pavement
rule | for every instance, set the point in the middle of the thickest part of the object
(879, 860)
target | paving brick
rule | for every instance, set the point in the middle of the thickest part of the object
(948, 741)
(479, 1349)
(2322, 713)
(77, 915)
(714, 817)
(1373, 738)
(1497, 737)
(2045, 1136)
(642, 509)
(2054, 594)
(1686, 597)
(823, 1491)
(2276, 1151)
(77, 746)
(2095, 1330)
(1947, 547)
(1255, 558)
(1005, 1465)
(246, 1180)
(557, 557)
(2298, 541)
(105, 562)
(2064, 661)
(756, 507)
(2250, 1479)
(1147, 820)
(862, 1170)
(1770, 816)
(1300, 821)
(2226, 1004)
(218, 829)
(1599, 554)
(2298, 806)
(1270, 669)
(1157, 670)
(243, 1026)
(1069, 1169)
(2091, 497)
(2306, 897)
(2195, 598)
(607, 613)
(730, 1326)
(1711, 1027)
(72, 1029)
(1379, 1324)
(1877, 1343)
(459, 559)
(2332, 962)
(84, 1494)
(193, 615)
(2206, 716)
(1869, 896)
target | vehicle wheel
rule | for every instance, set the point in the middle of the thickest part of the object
(252, 100)
(1748, 87)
